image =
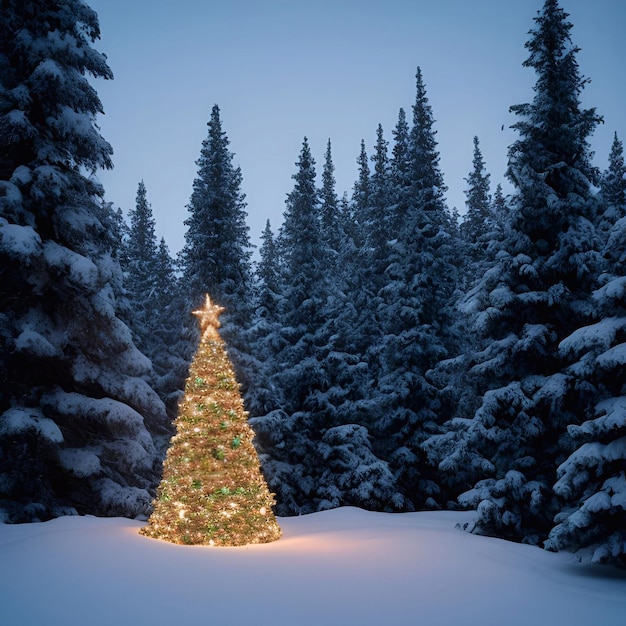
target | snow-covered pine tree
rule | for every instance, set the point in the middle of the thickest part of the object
(592, 481)
(268, 275)
(217, 254)
(171, 343)
(77, 419)
(412, 304)
(361, 192)
(264, 337)
(400, 176)
(157, 308)
(329, 210)
(537, 294)
(140, 265)
(216, 257)
(478, 220)
(366, 276)
(311, 369)
(499, 210)
(305, 280)
(296, 368)
(283, 435)
(613, 185)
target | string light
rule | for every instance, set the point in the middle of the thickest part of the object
(212, 491)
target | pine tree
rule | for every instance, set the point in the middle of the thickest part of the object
(477, 221)
(367, 263)
(77, 420)
(171, 342)
(412, 304)
(592, 480)
(361, 191)
(217, 252)
(329, 209)
(268, 274)
(613, 185)
(400, 168)
(212, 491)
(264, 337)
(295, 367)
(499, 210)
(312, 373)
(141, 269)
(156, 307)
(536, 295)
(303, 254)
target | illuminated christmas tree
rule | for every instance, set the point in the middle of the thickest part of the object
(212, 491)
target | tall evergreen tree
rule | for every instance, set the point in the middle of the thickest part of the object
(400, 167)
(217, 252)
(77, 419)
(310, 371)
(499, 210)
(361, 191)
(264, 337)
(477, 220)
(171, 349)
(412, 304)
(141, 268)
(268, 274)
(296, 368)
(305, 280)
(592, 480)
(613, 185)
(156, 307)
(378, 217)
(329, 209)
(534, 297)
(370, 259)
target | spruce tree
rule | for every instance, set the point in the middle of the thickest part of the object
(400, 168)
(296, 371)
(613, 185)
(268, 274)
(361, 191)
(477, 221)
(156, 308)
(217, 252)
(77, 420)
(329, 208)
(592, 480)
(171, 341)
(312, 371)
(141, 269)
(264, 337)
(367, 263)
(499, 210)
(412, 304)
(536, 295)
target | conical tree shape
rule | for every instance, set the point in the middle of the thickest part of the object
(212, 491)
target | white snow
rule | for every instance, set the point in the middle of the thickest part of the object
(19, 240)
(19, 420)
(82, 271)
(335, 568)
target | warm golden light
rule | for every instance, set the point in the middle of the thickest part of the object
(212, 491)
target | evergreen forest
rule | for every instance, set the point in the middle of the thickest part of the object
(392, 355)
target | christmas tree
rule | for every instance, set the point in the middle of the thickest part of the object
(212, 491)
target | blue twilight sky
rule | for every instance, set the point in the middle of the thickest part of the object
(326, 69)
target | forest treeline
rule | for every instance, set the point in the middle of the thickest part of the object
(392, 355)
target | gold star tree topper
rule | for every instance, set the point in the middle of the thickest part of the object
(209, 318)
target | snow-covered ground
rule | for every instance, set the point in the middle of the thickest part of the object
(340, 567)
